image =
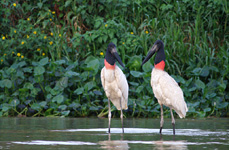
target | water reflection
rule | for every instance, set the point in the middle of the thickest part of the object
(91, 133)
(114, 144)
(171, 145)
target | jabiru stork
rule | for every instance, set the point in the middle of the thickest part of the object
(114, 82)
(165, 88)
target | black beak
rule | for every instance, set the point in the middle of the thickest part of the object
(117, 57)
(150, 54)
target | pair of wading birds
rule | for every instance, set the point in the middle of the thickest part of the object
(165, 88)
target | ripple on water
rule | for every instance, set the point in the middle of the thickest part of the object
(41, 142)
(183, 132)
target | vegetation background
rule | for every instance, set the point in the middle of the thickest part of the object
(52, 51)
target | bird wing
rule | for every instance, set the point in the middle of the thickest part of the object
(172, 94)
(102, 77)
(122, 85)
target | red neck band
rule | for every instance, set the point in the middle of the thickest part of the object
(109, 66)
(160, 65)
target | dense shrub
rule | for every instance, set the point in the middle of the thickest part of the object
(52, 52)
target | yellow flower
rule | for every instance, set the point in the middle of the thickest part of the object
(50, 19)
(30, 27)
(53, 12)
(12, 52)
(101, 53)
(49, 10)
(131, 32)
(105, 25)
(123, 43)
(51, 34)
(43, 54)
(45, 37)
(38, 49)
(1, 60)
(147, 32)
(3, 38)
(15, 31)
(4, 54)
(14, 4)
(51, 43)
(27, 36)
(59, 35)
(28, 19)
(22, 42)
(35, 32)
(18, 54)
(22, 56)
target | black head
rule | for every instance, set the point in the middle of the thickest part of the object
(112, 55)
(158, 47)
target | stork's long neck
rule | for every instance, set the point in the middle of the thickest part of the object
(109, 61)
(159, 62)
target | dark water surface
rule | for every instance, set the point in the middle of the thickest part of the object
(91, 133)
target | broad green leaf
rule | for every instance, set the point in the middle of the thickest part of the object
(98, 24)
(59, 62)
(59, 99)
(39, 70)
(43, 103)
(199, 84)
(5, 108)
(14, 102)
(97, 93)
(222, 105)
(136, 74)
(205, 71)
(43, 61)
(65, 113)
(207, 109)
(147, 67)
(196, 71)
(39, 5)
(36, 106)
(93, 108)
(139, 89)
(71, 73)
(29, 70)
(114, 40)
(7, 83)
(21, 64)
(89, 85)
(135, 62)
(62, 83)
(134, 83)
(67, 3)
(79, 91)
(62, 107)
(92, 64)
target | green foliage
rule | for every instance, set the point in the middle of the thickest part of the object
(52, 52)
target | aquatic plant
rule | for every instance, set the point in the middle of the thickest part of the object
(52, 52)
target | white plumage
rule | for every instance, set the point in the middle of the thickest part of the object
(115, 86)
(165, 88)
(114, 82)
(168, 92)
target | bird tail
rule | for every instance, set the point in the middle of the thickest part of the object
(182, 112)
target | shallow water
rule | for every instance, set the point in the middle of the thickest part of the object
(91, 133)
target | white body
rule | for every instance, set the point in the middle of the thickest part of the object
(115, 86)
(168, 92)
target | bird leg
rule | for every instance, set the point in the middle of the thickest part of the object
(162, 119)
(121, 116)
(173, 121)
(109, 116)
